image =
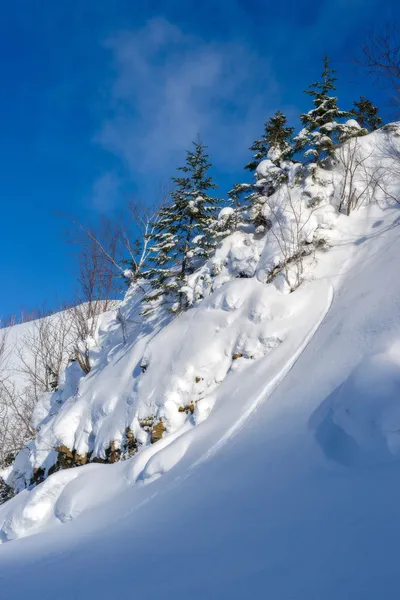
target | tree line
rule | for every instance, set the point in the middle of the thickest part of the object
(188, 227)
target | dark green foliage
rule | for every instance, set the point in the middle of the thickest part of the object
(185, 232)
(275, 141)
(366, 114)
(277, 147)
(6, 492)
(322, 131)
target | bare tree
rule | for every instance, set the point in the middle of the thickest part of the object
(109, 252)
(15, 408)
(289, 221)
(121, 241)
(380, 55)
(98, 288)
(44, 351)
(51, 341)
(389, 150)
(360, 177)
(143, 219)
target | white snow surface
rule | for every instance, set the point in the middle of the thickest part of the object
(283, 483)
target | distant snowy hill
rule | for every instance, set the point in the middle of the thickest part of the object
(19, 336)
(258, 430)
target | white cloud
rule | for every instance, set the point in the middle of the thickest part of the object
(170, 86)
(105, 192)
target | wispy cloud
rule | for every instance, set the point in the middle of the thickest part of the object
(170, 86)
(105, 192)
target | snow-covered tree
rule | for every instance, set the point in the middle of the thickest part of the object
(185, 233)
(366, 114)
(271, 163)
(247, 200)
(275, 144)
(322, 130)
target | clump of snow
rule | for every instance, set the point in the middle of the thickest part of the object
(353, 123)
(267, 168)
(225, 213)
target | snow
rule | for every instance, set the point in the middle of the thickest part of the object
(352, 123)
(360, 422)
(225, 213)
(266, 167)
(283, 482)
(292, 224)
(269, 326)
(185, 362)
(14, 338)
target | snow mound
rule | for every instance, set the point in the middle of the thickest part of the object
(360, 422)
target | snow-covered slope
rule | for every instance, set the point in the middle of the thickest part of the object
(283, 479)
(22, 339)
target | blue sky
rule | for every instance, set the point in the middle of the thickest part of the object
(100, 99)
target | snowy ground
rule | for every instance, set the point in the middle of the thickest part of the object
(289, 489)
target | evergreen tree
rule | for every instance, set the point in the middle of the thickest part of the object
(275, 148)
(275, 144)
(185, 232)
(249, 199)
(321, 130)
(366, 114)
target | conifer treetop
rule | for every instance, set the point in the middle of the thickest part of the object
(275, 142)
(322, 129)
(327, 82)
(185, 232)
(366, 114)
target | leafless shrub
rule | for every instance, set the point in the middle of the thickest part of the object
(44, 351)
(289, 220)
(389, 182)
(97, 259)
(123, 321)
(360, 177)
(15, 408)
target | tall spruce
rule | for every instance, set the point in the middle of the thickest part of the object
(275, 143)
(366, 114)
(185, 232)
(321, 129)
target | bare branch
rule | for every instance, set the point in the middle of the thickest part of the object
(380, 56)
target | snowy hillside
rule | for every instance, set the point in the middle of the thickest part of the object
(33, 357)
(253, 439)
(15, 337)
(24, 350)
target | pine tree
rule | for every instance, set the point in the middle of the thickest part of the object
(366, 114)
(321, 130)
(185, 232)
(275, 144)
